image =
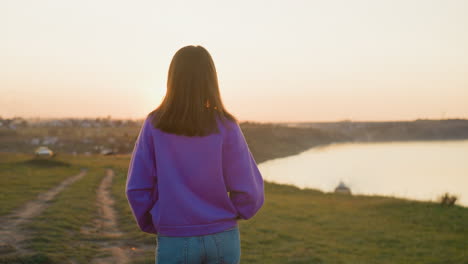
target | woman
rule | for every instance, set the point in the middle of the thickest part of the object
(192, 176)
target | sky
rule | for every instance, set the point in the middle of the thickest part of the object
(277, 61)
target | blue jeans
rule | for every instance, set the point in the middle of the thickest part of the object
(222, 248)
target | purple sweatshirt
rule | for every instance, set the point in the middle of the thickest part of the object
(178, 185)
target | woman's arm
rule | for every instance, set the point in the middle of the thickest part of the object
(141, 188)
(242, 177)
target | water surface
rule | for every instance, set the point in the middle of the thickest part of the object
(416, 170)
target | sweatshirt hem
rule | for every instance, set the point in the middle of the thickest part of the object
(196, 230)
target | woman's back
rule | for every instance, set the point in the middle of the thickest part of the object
(185, 181)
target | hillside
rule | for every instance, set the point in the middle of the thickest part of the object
(421, 129)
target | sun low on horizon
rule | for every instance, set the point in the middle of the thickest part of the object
(276, 60)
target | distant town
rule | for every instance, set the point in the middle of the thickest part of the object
(70, 135)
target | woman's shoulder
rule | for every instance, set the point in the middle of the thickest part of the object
(232, 133)
(149, 120)
(228, 125)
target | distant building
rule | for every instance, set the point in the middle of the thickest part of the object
(49, 140)
(35, 141)
(342, 188)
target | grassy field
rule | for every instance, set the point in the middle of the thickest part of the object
(294, 226)
(57, 233)
(22, 179)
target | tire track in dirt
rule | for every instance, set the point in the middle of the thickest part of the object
(11, 235)
(114, 250)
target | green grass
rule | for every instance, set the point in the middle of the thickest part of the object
(132, 234)
(57, 231)
(23, 177)
(307, 226)
(294, 226)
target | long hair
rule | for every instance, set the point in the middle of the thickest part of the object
(192, 103)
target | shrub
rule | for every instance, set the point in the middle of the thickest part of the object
(448, 199)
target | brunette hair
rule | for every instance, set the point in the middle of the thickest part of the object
(192, 103)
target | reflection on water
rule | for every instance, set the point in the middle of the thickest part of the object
(415, 170)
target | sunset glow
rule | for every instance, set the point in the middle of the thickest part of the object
(276, 60)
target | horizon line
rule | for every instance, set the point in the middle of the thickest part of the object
(243, 120)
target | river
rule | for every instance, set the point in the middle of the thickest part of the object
(421, 170)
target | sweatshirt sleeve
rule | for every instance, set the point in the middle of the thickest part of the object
(242, 176)
(141, 189)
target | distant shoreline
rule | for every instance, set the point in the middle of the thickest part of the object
(291, 140)
(363, 142)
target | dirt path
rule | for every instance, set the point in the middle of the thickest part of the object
(112, 249)
(11, 235)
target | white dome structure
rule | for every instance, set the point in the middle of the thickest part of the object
(342, 188)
